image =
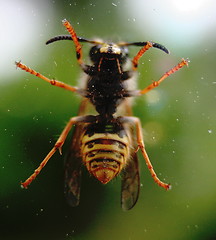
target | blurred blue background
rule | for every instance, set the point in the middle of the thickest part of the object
(178, 118)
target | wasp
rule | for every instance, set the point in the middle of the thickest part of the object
(105, 142)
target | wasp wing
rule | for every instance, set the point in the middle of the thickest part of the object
(130, 183)
(73, 162)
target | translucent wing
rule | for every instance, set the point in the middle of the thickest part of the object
(73, 162)
(130, 175)
(130, 183)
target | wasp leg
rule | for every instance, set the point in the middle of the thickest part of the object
(140, 53)
(58, 145)
(141, 146)
(125, 108)
(157, 83)
(75, 39)
(86, 68)
(51, 81)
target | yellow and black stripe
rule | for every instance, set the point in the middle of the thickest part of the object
(105, 154)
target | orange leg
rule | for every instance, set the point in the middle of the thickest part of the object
(51, 81)
(58, 146)
(140, 53)
(78, 46)
(171, 71)
(141, 146)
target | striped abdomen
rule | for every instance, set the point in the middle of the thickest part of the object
(105, 154)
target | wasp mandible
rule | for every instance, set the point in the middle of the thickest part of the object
(106, 142)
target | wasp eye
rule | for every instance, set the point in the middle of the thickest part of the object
(94, 53)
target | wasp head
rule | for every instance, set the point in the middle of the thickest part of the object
(108, 51)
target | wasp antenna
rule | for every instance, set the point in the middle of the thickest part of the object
(161, 47)
(155, 45)
(68, 37)
(59, 38)
(142, 44)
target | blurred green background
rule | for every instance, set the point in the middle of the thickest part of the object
(178, 118)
